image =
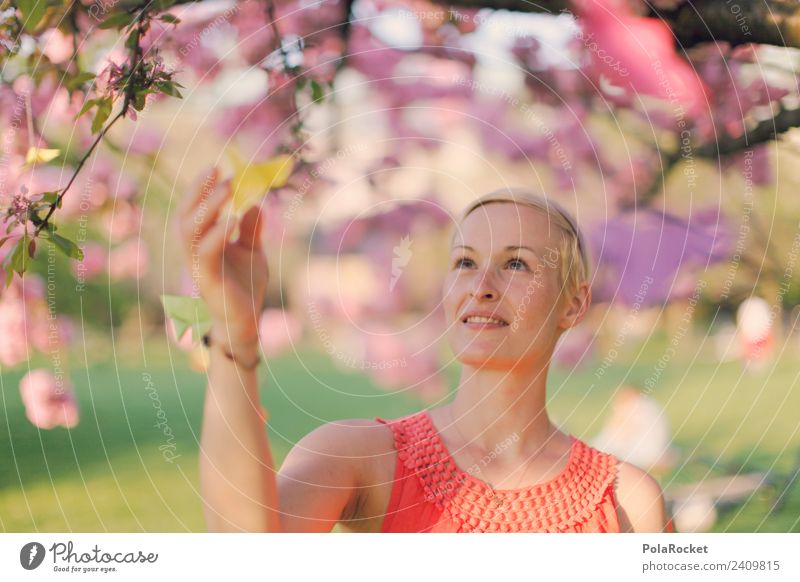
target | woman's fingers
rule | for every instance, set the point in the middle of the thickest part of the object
(190, 202)
(213, 244)
(250, 230)
(207, 212)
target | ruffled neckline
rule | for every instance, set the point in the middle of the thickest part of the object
(569, 500)
(564, 475)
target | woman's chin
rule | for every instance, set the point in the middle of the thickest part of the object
(486, 358)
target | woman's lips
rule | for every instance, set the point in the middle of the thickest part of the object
(484, 325)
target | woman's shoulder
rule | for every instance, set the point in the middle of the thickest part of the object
(640, 499)
(638, 495)
(353, 435)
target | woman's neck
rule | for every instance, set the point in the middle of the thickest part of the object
(501, 406)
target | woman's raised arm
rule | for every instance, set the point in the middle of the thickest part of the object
(237, 473)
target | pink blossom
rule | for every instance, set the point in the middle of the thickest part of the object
(122, 221)
(279, 331)
(56, 45)
(23, 319)
(95, 259)
(637, 53)
(49, 400)
(144, 141)
(129, 260)
(14, 348)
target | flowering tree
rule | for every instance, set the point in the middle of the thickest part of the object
(618, 98)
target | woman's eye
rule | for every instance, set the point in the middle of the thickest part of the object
(519, 262)
(460, 262)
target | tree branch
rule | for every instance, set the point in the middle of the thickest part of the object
(764, 131)
(775, 22)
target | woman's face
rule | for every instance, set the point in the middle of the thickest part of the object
(504, 262)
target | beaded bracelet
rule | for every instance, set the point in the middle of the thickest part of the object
(231, 357)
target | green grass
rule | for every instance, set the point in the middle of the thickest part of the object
(108, 473)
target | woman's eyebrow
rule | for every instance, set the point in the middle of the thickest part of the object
(508, 248)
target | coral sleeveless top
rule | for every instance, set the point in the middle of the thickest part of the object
(431, 494)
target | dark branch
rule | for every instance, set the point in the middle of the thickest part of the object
(775, 22)
(765, 131)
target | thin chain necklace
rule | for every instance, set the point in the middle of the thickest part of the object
(495, 497)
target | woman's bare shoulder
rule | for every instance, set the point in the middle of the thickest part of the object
(322, 478)
(352, 437)
(640, 500)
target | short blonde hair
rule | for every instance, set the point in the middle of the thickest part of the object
(574, 263)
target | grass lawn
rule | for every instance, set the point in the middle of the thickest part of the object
(108, 473)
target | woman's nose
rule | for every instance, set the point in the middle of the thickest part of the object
(484, 287)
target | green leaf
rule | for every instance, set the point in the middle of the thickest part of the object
(168, 88)
(171, 18)
(49, 197)
(160, 5)
(133, 39)
(118, 20)
(103, 111)
(16, 261)
(139, 100)
(32, 12)
(79, 79)
(86, 107)
(317, 92)
(187, 312)
(66, 246)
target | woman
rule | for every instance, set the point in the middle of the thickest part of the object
(490, 460)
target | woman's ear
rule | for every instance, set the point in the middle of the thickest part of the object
(576, 306)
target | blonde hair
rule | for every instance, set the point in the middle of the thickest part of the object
(573, 254)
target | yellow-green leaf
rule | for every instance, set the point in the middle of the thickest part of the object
(41, 155)
(187, 312)
(252, 181)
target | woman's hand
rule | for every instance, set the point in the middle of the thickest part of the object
(231, 276)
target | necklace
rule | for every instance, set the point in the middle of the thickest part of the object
(494, 495)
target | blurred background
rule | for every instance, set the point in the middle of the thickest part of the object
(676, 154)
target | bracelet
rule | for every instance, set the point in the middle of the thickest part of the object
(231, 357)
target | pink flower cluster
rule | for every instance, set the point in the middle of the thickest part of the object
(49, 400)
